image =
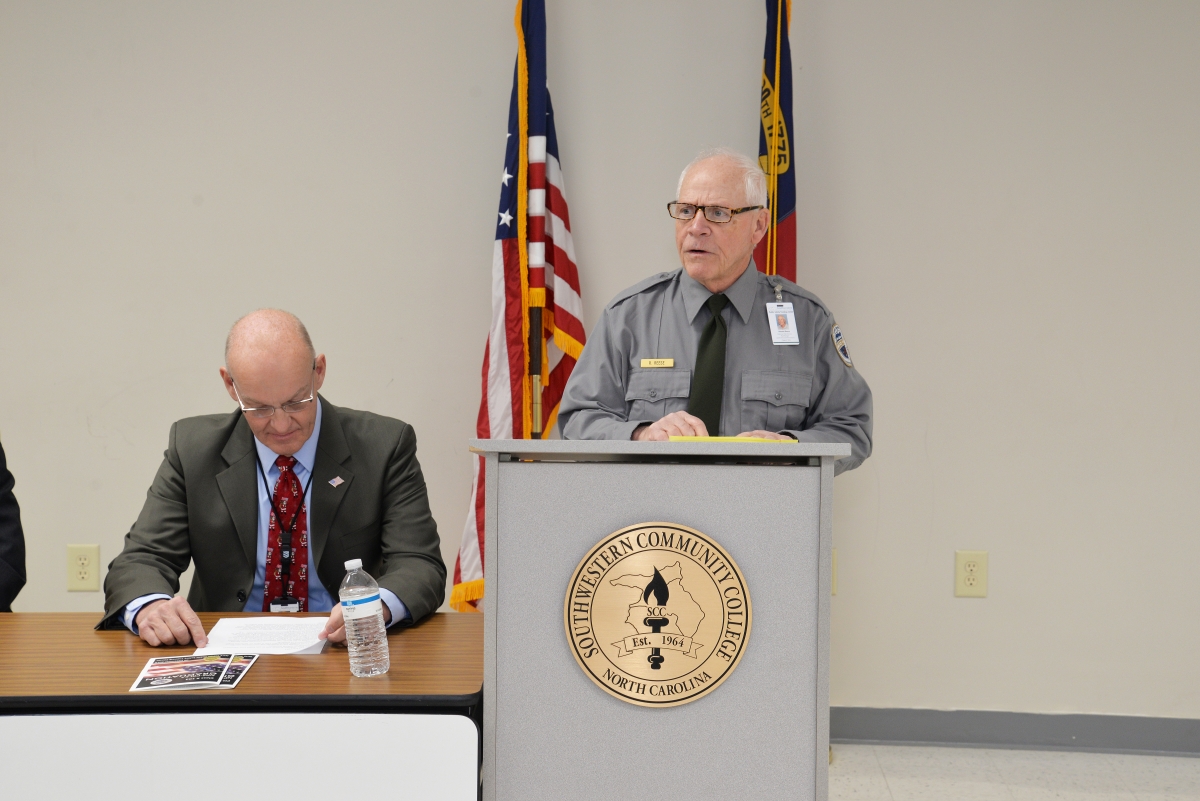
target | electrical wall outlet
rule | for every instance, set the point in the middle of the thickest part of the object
(83, 568)
(834, 572)
(970, 574)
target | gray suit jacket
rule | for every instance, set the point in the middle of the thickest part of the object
(203, 508)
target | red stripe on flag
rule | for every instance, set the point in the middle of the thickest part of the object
(566, 322)
(557, 205)
(537, 175)
(553, 392)
(537, 228)
(564, 268)
(785, 263)
(480, 511)
(483, 426)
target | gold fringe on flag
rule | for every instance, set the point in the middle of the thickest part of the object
(462, 595)
(568, 344)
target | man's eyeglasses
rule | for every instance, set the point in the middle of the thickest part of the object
(291, 407)
(714, 214)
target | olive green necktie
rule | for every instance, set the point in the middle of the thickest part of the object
(708, 379)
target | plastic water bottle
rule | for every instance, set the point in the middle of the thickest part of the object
(362, 610)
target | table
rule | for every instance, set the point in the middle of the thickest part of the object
(56, 662)
(71, 727)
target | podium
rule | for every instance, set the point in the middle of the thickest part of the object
(550, 729)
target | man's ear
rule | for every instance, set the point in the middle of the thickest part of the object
(761, 225)
(319, 370)
(228, 379)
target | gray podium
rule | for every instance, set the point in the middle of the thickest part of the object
(549, 732)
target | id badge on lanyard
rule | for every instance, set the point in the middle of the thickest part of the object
(782, 320)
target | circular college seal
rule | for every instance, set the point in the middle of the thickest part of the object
(657, 614)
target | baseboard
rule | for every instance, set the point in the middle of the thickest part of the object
(981, 729)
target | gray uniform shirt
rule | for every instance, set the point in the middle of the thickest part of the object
(807, 390)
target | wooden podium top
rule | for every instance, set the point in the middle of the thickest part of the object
(55, 662)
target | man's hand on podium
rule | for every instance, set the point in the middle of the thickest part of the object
(682, 424)
(675, 424)
(335, 629)
(760, 434)
(170, 622)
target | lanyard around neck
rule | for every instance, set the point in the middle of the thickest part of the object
(285, 551)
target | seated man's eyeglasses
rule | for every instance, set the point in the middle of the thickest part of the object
(714, 214)
(291, 407)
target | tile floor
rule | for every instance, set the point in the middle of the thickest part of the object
(904, 773)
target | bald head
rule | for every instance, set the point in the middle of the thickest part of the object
(270, 362)
(272, 331)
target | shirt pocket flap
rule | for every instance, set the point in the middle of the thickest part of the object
(776, 388)
(658, 383)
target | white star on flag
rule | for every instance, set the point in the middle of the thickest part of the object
(504, 178)
(505, 218)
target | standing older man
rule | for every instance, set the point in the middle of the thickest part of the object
(287, 468)
(717, 348)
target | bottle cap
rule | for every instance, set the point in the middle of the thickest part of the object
(353, 564)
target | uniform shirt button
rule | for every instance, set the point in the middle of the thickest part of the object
(778, 395)
(654, 393)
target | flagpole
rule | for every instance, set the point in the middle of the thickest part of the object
(535, 369)
(776, 117)
(523, 215)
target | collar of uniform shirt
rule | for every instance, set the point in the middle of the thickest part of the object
(741, 294)
(306, 456)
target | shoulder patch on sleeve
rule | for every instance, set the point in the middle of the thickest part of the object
(839, 344)
(642, 286)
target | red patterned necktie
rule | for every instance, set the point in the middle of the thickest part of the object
(290, 503)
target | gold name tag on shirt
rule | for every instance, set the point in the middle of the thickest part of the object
(658, 362)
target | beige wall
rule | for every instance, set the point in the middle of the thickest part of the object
(1001, 204)
(999, 201)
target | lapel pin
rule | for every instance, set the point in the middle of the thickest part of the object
(334, 482)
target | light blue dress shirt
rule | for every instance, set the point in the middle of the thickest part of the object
(319, 599)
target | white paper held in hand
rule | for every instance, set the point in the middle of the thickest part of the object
(266, 635)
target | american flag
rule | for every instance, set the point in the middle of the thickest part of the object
(535, 284)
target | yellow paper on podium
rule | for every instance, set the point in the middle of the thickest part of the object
(728, 439)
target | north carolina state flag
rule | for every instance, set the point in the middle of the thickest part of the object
(776, 253)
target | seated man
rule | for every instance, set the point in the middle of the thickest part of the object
(718, 348)
(351, 479)
(12, 540)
